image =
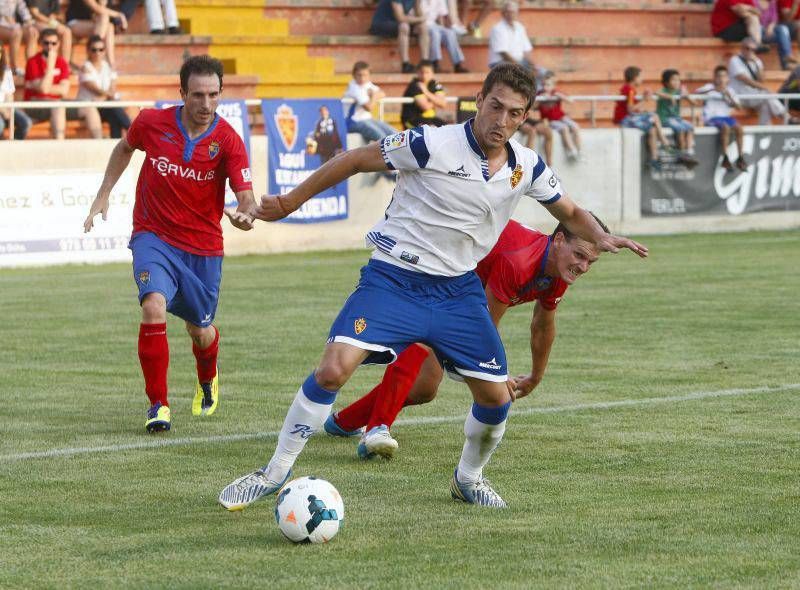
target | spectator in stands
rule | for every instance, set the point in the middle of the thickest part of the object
(93, 17)
(668, 108)
(396, 18)
(436, 14)
(162, 21)
(47, 78)
(365, 94)
(773, 31)
(428, 95)
(98, 82)
(629, 113)
(532, 128)
(325, 140)
(508, 39)
(733, 20)
(47, 15)
(792, 86)
(16, 29)
(789, 15)
(746, 72)
(22, 123)
(548, 102)
(462, 7)
(719, 98)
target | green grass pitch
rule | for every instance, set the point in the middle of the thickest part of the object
(699, 490)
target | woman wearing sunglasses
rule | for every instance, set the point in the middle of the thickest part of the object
(98, 82)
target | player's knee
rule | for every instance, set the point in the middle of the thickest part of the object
(331, 376)
(423, 395)
(154, 308)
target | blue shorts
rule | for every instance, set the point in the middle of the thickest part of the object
(721, 122)
(678, 125)
(189, 282)
(640, 121)
(392, 308)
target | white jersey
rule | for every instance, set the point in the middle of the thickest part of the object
(446, 214)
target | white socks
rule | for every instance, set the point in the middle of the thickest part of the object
(483, 429)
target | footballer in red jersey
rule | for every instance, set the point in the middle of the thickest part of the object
(190, 153)
(525, 265)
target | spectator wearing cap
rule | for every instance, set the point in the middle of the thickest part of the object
(428, 95)
(98, 82)
(365, 94)
(397, 18)
(436, 13)
(47, 15)
(16, 29)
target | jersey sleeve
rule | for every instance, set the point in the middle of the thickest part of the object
(502, 280)
(545, 186)
(237, 166)
(135, 134)
(407, 150)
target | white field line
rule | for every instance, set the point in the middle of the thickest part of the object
(173, 442)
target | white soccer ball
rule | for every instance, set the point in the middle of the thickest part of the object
(309, 510)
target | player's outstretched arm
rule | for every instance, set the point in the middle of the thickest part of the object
(117, 162)
(580, 222)
(334, 171)
(543, 333)
(243, 216)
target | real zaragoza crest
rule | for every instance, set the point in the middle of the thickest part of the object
(287, 124)
(360, 325)
(516, 176)
(213, 149)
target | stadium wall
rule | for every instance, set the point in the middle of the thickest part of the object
(47, 187)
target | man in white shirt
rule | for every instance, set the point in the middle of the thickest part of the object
(508, 39)
(746, 71)
(365, 95)
(456, 189)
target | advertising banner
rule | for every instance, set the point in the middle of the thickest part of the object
(770, 183)
(302, 135)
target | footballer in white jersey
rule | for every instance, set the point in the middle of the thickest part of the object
(456, 189)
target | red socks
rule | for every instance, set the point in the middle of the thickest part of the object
(207, 359)
(154, 357)
(384, 402)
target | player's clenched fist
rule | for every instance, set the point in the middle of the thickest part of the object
(273, 207)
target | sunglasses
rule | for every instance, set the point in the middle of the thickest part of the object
(97, 49)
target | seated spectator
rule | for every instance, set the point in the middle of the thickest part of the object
(792, 86)
(668, 108)
(428, 95)
(629, 113)
(396, 18)
(789, 15)
(733, 20)
(47, 78)
(474, 25)
(98, 82)
(22, 123)
(16, 28)
(46, 15)
(532, 128)
(773, 31)
(717, 113)
(746, 72)
(365, 94)
(162, 22)
(93, 17)
(508, 39)
(435, 12)
(549, 104)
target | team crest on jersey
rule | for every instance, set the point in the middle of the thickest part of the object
(213, 149)
(516, 176)
(287, 123)
(360, 325)
(542, 283)
(144, 277)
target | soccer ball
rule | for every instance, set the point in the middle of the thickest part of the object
(309, 510)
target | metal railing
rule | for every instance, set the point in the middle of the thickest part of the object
(593, 100)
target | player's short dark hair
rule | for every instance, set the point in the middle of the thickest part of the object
(200, 65)
(561, 228)
(360, 65)
(666, 75)
(48, 32)
(631, 72)
(425, 63)
(517, 77)
(719, 69)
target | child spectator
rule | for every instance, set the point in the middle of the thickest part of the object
(47, 78)
(365, 94)
(22, 122)
(428, 95)
(668, 108)
(98, 82)
(46, 15)
(16, 28)
(717, 113)
(629, 113)
(549, 104)
(395, 18)
(436, 14)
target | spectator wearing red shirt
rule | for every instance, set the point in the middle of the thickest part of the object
(733, 20)
(47, 78)
(190, 152)
(629, 113)
(789, 14)
(524, 265)
(549, 104)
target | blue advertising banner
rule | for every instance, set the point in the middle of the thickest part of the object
(235, 113)
(302, 135)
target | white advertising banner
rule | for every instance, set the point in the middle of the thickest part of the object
(42, 215)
